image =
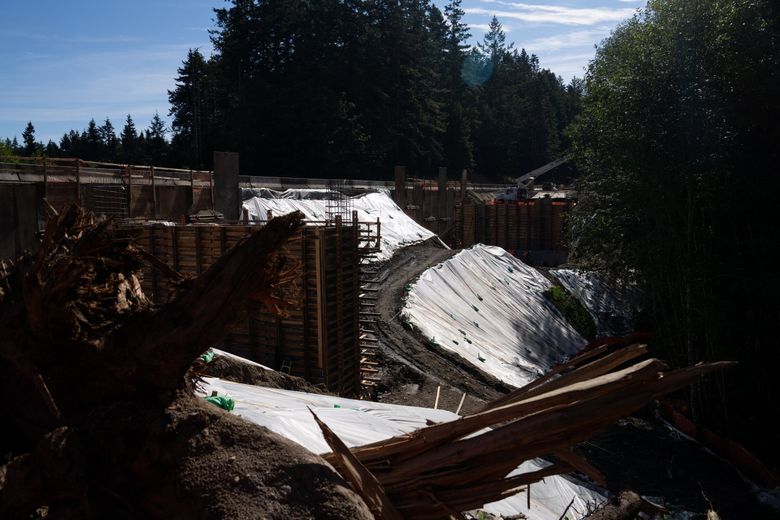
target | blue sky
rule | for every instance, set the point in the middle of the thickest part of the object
(64, 62)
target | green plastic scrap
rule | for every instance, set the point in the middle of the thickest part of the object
(223, 401)
(207, 356)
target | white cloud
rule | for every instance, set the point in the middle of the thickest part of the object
(567, 65)
(566, 40)
(554, 14)
(485, 27)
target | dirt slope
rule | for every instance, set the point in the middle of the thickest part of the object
(411, 369)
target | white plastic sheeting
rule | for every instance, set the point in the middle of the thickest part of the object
(609, 303)
(362, 422)
(397, 228)
(488, 307)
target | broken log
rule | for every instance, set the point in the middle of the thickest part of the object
(100, 420)
(464, 464)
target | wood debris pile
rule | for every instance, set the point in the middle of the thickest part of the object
(444, 469)
(79, 342)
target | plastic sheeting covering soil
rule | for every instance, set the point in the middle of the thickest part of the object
(397, 228)
(488, 307)
(610, 304)
(362, 422)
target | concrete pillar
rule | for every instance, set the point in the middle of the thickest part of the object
(226, 190)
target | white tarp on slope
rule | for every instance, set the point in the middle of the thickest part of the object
(362, 422)
(398, 229)
(610, 304)
(488, 307)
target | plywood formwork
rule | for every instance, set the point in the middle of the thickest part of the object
(517, 226)
(318, 339)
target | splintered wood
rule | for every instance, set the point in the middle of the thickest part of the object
(75, 324)
(441, 470)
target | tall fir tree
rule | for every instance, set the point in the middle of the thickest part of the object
(28, 138)
(109, 141)
(130, 148)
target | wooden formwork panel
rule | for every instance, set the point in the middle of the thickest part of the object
(533, 225)
(61, 195)
(318, 340)
(469, 224)
(490, 225)
(558, 216)
(523, 226)
(501, 225)
(511, 227)
(479, 223)
(545, 224)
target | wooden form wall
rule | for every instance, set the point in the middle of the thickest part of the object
(423, 203)
(517, 226)
(116, 190)
(319, 339)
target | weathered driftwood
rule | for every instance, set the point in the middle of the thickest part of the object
(461, 465)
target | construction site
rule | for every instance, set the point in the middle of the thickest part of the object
(209, 344)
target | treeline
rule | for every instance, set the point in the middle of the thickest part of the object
(349, 88)
(678, 137)
(346, 88)
(101, 143)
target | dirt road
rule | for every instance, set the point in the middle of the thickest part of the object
(411, 369)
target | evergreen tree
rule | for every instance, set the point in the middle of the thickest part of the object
(156, 145)
(457, 140)
(494, 42)
(130, 148)
(93, 144)
(52, 150)
(189, 109)
(28, 138)
(108, 140)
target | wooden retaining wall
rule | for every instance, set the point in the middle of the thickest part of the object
(319, 339)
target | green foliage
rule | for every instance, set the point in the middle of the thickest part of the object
(31, 147)
(346, 89)
(678, 136)
(573, 311)
(351, 88)
(6, 149)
